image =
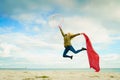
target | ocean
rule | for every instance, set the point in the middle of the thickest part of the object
(67, 69)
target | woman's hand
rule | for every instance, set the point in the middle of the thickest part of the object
(81, 33)
(59, 26)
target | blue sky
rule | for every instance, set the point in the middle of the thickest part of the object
(28, 38)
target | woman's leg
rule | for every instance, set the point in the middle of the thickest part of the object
(66, 51)
(75, 51)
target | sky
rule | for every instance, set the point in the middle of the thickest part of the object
(30, 38)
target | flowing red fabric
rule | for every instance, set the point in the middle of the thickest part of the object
(93, 57)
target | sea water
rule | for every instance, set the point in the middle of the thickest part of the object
(65, 69)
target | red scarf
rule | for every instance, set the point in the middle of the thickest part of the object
(92, 55)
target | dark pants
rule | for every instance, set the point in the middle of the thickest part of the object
(71, 49)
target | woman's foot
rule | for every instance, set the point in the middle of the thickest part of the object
(83, 48)
(71, 57)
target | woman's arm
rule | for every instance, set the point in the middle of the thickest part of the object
(76, 35)
(61, 31)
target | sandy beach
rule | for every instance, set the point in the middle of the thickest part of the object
(57, 75)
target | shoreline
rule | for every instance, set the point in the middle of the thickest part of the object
(64, 69)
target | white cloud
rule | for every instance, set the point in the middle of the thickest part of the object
(36, 29)
(107, 9)
(6, 29)
(40, 20)
(29, 18)
(65, 4)
(55, 20)
(21, 43)
(24, 17)
(6, 49)
(92, 28)
(110, 60)
(116, 38)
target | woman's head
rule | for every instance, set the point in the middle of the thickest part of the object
(68, 34)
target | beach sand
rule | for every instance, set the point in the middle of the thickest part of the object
(57, 75)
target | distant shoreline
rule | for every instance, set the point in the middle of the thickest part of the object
(66, 69)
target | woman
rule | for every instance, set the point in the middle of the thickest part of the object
(67, 43)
